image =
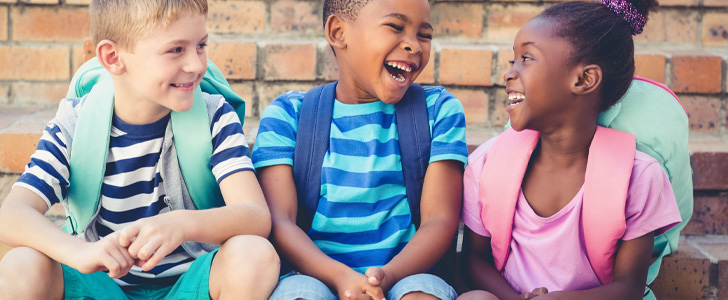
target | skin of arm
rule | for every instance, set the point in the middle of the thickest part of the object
(439, 212)
(295, 245)
(245, 213)
(480, 269)
(630, 274)
(23, 224)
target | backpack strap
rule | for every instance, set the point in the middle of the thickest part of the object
(608, 171)
(91, 146)
(609, 167)
(413, 128)
(500, 184)
(312, 142)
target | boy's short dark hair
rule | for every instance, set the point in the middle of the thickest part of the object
(346, 9)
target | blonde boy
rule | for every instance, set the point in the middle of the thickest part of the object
(146, 239)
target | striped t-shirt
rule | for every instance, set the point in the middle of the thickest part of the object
(132, 186)
(363, 218)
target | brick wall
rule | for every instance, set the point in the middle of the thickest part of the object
(268, 47)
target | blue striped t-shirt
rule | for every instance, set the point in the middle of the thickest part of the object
(363, 218)
(132, 186)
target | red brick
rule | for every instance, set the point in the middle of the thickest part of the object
(290, 61)
(703, 113)
(504, 20)
(40, 1)
(716, 3)
(715, 29)
(427, 76)
(457, 19)
(710, 170)
(50, 23)
(78, 57)
(475, 103)
(710, 216)
(246, 91)
(502, 65)
(500, 115)
(675, 26)
(330, 68)
(41, 94)
(696, 73)
(8, 1)
(4, 95)
(4, 23)
(236, 17)
(34, 63)
(236, 60)
(299, 17)
(16, 150)
(683, 275)
(466, 66)
(78, 2)
(270, 91)
(651, 66)
(666, 3)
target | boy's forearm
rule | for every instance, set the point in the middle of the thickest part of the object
(22, 223)
(217, 225)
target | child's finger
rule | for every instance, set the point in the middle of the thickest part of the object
(375, 276)
(127, 234)
(158, 255)
(540, 291)
(376, 293)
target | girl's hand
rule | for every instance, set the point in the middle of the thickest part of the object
(535, 293)
(151, 239)
(104, 255)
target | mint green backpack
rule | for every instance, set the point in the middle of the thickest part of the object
(192, 141)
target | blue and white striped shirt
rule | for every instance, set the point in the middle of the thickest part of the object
(363, 218)
(132, 186)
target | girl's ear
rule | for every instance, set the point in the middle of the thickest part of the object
(108, 55)
(588, 79)
(334, 32)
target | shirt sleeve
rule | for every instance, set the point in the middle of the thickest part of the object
(229, 146)
(447, 122)
(276, 138)
(651, 205)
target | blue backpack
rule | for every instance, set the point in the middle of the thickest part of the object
(312, 142)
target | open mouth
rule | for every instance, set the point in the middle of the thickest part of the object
(400, 71)
(182, 85)
(515, 98)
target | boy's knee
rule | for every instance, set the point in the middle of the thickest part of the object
(26, 272)
(252, 251)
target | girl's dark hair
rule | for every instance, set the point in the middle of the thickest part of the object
(600, 36)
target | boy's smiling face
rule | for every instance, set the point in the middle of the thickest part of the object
(386, 48)
(163, 71)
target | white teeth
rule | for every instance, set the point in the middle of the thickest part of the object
(401, 66)
(398, 78)
(515, 98)
(181, 84)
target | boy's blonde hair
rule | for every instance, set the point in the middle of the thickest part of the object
(127, 21)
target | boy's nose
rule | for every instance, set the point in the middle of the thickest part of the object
(196, 63)
(412, 47)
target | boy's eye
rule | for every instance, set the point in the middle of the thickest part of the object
(425, 36)
(176, 50)
(395, 27)
(202, 46)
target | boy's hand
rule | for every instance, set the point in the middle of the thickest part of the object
(151, 239)
(377, 277)
(356, 286)
(535, 293)
(104, 255)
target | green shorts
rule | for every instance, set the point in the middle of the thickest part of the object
(193, 284)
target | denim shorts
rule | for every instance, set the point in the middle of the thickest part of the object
(297, 286)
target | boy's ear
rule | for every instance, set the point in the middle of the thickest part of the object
(588, 79)
(108, 55)
(334, 32)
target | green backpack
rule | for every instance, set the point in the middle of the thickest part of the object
(91, 141)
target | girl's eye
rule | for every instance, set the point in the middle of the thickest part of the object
(395, 27)
(512, 62)
(526, 58)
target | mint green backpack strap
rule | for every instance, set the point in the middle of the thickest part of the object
(193, 141)
(88, 156)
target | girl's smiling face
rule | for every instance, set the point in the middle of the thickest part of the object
(539, 80)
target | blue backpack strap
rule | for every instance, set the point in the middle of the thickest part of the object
(312, 142)
(413, 126)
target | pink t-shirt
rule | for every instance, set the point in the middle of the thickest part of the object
(550, 252)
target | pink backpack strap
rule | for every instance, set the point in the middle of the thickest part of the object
(500, 184)
(608, 171)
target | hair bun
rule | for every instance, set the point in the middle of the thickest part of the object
(628, 12)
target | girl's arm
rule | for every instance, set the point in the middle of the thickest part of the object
(480, 269)
(440, 208)
(630, 274)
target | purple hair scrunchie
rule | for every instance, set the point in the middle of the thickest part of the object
(628, 12)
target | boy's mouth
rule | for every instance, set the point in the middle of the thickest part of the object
(400, 71)
(515, 98)
(182, 85)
